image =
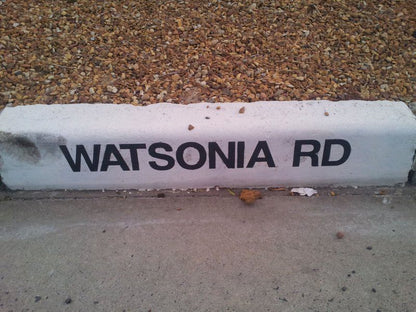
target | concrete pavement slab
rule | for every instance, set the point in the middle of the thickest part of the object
(208, 251)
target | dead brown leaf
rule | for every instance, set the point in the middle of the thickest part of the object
(250, 196)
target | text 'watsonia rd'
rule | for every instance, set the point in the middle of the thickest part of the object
(164, 157)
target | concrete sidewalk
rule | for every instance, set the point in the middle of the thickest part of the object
(208, 251)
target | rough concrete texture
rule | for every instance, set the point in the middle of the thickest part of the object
(208, 251)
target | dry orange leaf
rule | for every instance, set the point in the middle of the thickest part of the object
(249, 196)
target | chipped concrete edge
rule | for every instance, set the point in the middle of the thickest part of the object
(3, 186)
(412, 173)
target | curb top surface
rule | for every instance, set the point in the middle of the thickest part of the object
(113, 118)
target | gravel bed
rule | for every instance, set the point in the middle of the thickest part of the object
(148, 51)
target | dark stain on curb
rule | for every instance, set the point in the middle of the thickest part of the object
(20, 147)
(26, 148)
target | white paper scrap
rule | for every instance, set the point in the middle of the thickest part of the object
(304, 191)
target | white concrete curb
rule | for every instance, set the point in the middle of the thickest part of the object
(311, 143)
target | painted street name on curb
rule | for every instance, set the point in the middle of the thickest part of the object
(165, 158)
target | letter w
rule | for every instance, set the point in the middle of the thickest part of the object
(80, 151)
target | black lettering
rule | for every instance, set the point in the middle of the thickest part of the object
(261, 146)
(80, 151)
(152, 152)
(312, 154)
(327, 152)
(133, 153)
(213, 149)
(110, 150)
(240, 154)
(180, 155)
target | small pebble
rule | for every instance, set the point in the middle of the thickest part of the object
(112, 89)
(340, 235)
